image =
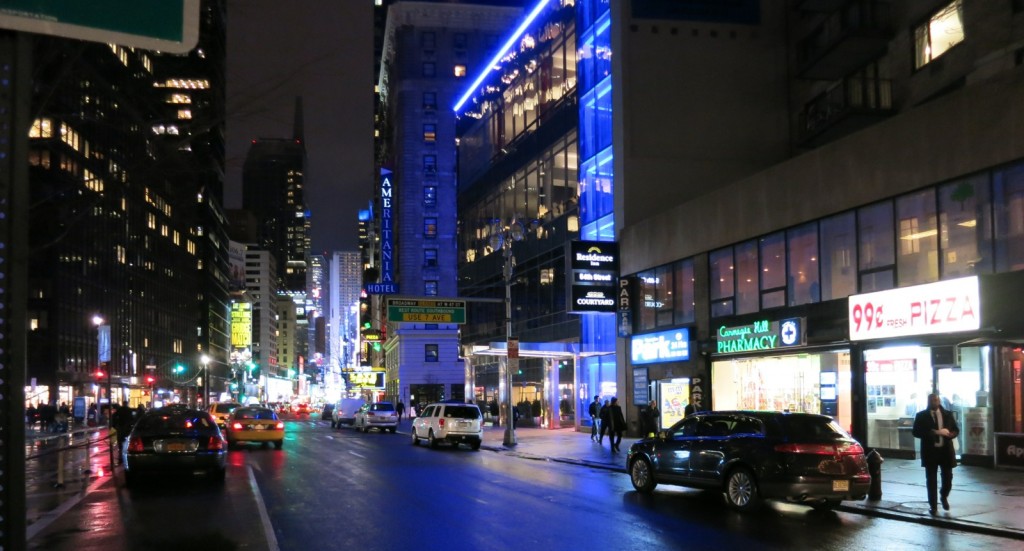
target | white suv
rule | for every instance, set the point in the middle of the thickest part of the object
(455, 423)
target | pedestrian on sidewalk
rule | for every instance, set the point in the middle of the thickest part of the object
(649, 421)
(595, 409)
(400, 409)
(602, 416)
(937, 430)
(616, 424)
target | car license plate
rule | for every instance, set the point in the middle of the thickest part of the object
(840, 485)
(176, 447)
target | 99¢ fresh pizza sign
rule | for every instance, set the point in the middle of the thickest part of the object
(943, 307)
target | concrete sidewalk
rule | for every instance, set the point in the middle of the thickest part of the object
(983, 500)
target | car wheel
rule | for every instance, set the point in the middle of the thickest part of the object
(431, 440)
(642, 476)
(475, 446)
(333, 424)
(393, 430)
(741, 490)
(826, 504)
(415, 440)
(278, 444)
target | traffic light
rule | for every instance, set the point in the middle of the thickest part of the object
(99, 374)
(150, 379)
(291, 372)
(179, 369)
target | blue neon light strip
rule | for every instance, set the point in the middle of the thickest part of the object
(501, 53)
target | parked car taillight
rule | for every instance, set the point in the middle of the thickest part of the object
(821, 449)
(280, 425)
(236, 426)
(215, 443)
(135, 445)
(440, 422)
(369, 414)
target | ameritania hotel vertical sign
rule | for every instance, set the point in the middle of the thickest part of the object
(387, 283)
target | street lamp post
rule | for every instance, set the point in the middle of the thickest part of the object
(103, 355)
(205, 360)
(501, 237)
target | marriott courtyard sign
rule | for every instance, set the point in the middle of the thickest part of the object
(761, 336)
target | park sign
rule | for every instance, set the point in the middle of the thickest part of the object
(426, 311)
(161, 25)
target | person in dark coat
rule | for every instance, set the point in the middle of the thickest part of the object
(616, 424)
(595, 408)
(400, 410)
(650, 419)
(602, 415)
(937, 429)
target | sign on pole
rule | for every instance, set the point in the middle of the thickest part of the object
(164, 25)
(427, 311)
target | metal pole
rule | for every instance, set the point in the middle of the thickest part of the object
(111, 437)
(510, 431)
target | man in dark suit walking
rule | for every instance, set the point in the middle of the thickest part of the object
(937, 429)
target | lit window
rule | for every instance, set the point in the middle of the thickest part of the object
(41, 128)
(430, 352)
(429, 196)
(430, 227)
(430, 133)
(943, 30)
(460, 71)
(184, 114)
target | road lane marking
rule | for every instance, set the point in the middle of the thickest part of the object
(357, 455)
(49, 517)
(268, 530)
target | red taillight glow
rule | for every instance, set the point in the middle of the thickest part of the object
(188, 424)
(215, 443)
(280, 426)
(236, 426)
(440, 423)
(369, 414)
(821, 449)
(135, 445)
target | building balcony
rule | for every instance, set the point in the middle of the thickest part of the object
(848, 106)
(847, 39)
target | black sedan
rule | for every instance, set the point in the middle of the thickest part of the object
(798, 457)
(175, 439)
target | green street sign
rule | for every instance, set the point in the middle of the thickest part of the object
(427, 311)
(163, 25)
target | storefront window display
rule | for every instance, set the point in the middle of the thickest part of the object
(785, 383)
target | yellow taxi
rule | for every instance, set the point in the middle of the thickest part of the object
(222, 410)
(254, 424)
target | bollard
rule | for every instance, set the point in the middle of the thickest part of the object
(875, 469)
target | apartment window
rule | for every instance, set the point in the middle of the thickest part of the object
(430, 288)
(459, 71)
(918, 239)
(876, 253)
(429, 196)
(428, 39)
(802, 256)
(430, 133)
(773, 270)
(429, 69)
(459, 40)
(430, 100)
(1008, 197)
(430, 227)
(430, 259)
(430, 353)
(683, 296)
(430, 164)
(838, 256)
(943, 30)
(965, 231)
(747, 280)
(721, 282)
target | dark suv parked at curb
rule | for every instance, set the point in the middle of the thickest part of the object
(797, 457)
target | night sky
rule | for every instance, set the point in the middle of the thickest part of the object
(321, 50)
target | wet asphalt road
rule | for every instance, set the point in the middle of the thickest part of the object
(339, 489)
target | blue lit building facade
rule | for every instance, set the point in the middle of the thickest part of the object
(535, 147)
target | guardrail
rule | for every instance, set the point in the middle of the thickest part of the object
(62, 450)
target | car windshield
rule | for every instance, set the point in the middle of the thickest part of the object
(382, 406)
(813, 428)
(254, 413)
(156, 422)
(462, 412)
(225, 408)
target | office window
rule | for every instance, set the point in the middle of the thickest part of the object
(876, 253)
(747, 296)
(430, 227)
(429, 196)
(430, 164)
(943, 30)
(918, 260)
(430, 353)
(430, 258)
(803, 286)
(428, 39)
(430, 100)
(838, 256)
(773, 270)
(459, 71)
(430, 288)
(721, 282)
(430, 133)
(1009, 218)
(965, 228)
(682, 297)
(429, 69)
(459, 40)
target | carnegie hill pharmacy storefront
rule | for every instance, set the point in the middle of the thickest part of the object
(768, 365)
(959, 338)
